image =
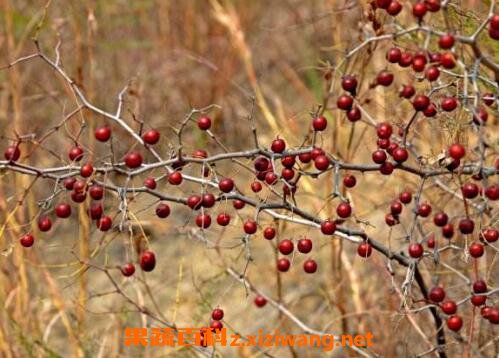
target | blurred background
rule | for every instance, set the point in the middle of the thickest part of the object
(179, 55)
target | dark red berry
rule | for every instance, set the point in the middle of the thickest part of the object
(63, 210)
(364, 249)
(223, 219)
(162, 210)
(310, 266)
(250, 227)
(128, 269)
(102, 133)
(151, 136)
(269, 233)
(147, 261)
(27, 240)
(133, 160)
(437, 294)
(278, 145)
(203, 221)
(204, 123)
(454, 323)
(283, 264)
(286, 247)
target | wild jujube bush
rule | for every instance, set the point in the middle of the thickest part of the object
(434, 231)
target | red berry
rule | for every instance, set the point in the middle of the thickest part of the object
(479, 286)
(78, 197)
(419, 9)
(456, 151)
(488, 99)
(344, 210)
(480, 117)
(256, 187)
(278, 145)
(283, 264)
(396, 208)
(328, 227)
(419, 63)
(223, 219)
(345, 102)
(203, 221)
(416, 250)
(310, 266)
(478, 300)
(63, 210)
(305, 157)
(102, 133)
(424, 210)
(204, 123)
(96, 192)
(400, 155)
(286, 247)
(321, 162)
(250, 227)
(260, 301)
(383, 4)
(430, 111)
(364, 249)
(95, 212)
(431, 241)
(448, 104)
(261, 164)
(393, 55)
(394, 8)
(448, 231)
(133, 160)
(447, 60)
(151, 136)
(437, 294)
(384, 130)
(405, 59)
(287, 174)
(150, 183)
(12, 153)
(75, 154)
(454, 323)
(494, 22)
(86, 170)
(44, 223)
(269, 233)
(354, 114)
(208, 200)
(304, 246)
(493, 316)
(226, 185)
(446, 41)
(408, 91)
(69, 183)
(104, 223)
(194, 202)
(349, 181)
(440, 219)
(490, 235)
(449, 307)
(316, 152)
(175, 178)
(271, 178)
(386, 168)
(433, 5)
(379, 156)
(288, 161)
(405, 197)
(466, 226)
(147, 261)
(349, 83)
(217, 314)
(384, 78)
(469, 190)
(27, 240)
(238, 204)
(420, 102)
(476, 250)
(128, 269)
(162, 210)
(319, 123)
(391, 220)
(492, 192)
(432, 73)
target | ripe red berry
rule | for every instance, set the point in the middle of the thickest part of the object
(447, 60)
(194, 201)
(12, 153)
(408, 91)
(223, 219)
(217, 314)
(63, 210)
(261, 164)
(175, 178)
(386, 168)
(383, 4)
(310, 266)
(305, 157)
(344, 210)
(78, 197)
(75, 154)
(405, 59)
(419, 10)
(448, 104)
(203, 221)
(316, 152)
(250, 227)
(151, 136)
(271, 178)
(379, 156)
(419, 63)
(494, 22)
(364, 249)
(396, 208)
(384, 78)
(321, 162)
(238, 204)
(384, 130)
(44, 223)
(446, 41)
(104, 223)
(286, 247)
(208, 200)
(127, 269)
(69, 183)
(469, 190)
(440, 219)
(287, 174)
(344, 102)
(493, 316)
(393, 55)
(432, 73)
(86, 170)
(283, 264)
(147, 261)
(454, 323)
(420, 102)
(256, 187)
(433, 5)
(479, 286)
(349, 181)
(488, 99)
(448, 231)
(27, 240)
(478, 300)
(260, 301)
(430, 111)
(133, 160)
(319, 123)
(476, 250)
(405, 197)
(269, 233)
(226, 185)
(162, 210)
(466, 226)
(349, 83)
(354, 114)
(204, 123)
(400, 155)
(391, 220)
(490, 235)
(328, 227)
(437, 294)
(96, 210)
(102, 133)
(456, 151)
(424, 210)
(431, 241)
(480, 117)
(492, 192)
(416, 250)
(96, 192)
(304, 246)
(449, 307)
(278, 145)
(150, 183)
(394, 8)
